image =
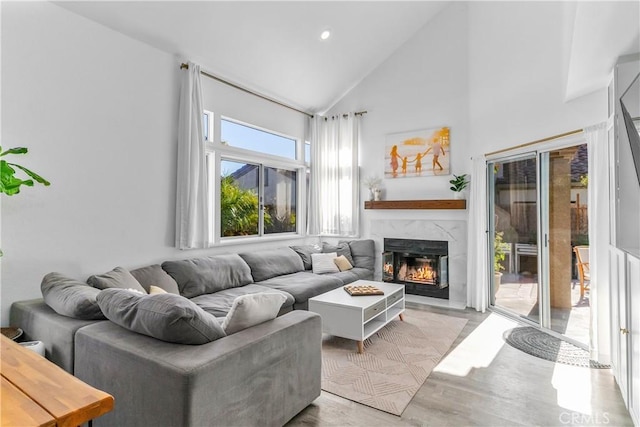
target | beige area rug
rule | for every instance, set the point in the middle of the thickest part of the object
(395, 363)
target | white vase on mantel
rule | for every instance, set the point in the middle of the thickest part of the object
(459, 195)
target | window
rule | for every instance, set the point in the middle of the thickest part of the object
(280, 191)
(249, 138)
(257, 177)
(239, 199)
(207, 125)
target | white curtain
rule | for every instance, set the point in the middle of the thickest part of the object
(478, 261)
(334, 195)
(192, 219)
(598, 213)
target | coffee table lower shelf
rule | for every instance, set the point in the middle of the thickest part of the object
(359, 317)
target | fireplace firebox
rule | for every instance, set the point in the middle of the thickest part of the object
(422, 266)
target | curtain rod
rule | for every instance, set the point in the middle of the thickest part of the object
(235, 86)
(562, 135)
(357, 113)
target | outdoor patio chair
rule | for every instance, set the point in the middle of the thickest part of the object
(582, 263)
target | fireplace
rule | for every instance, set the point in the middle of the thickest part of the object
(420, 265)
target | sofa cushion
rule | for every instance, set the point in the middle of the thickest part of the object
(363, 253)
(342, 248)
(219, 303)
(324, 263)
(167, 317)
(303, 285)
(251, 310)
(305, 253)
(362, 273)
(270, 263)
(116, 278)
(200, 276)
(156, 276)
(346, 277)
(70, 297)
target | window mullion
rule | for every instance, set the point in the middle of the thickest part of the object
(261, 201)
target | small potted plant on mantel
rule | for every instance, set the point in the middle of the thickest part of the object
(372, 183)
(458, 184)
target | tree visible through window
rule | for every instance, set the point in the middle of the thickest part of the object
(256, 197)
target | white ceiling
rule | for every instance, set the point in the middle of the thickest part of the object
(602, 31)
(272, 47)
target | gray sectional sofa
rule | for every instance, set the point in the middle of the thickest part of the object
(262, 375)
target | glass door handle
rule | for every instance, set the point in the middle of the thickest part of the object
(624, 331)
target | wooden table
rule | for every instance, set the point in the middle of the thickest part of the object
(36, 392)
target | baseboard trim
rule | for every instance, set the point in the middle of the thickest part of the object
(435, 302)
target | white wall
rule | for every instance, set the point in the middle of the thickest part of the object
(492, 71)
(422, 85)
(98, 112)
(517, 61)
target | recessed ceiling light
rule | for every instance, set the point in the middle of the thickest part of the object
(325, 34)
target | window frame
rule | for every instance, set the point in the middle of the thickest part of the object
(216, 152)
(208, 117)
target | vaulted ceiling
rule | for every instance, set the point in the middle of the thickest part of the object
(272, 47)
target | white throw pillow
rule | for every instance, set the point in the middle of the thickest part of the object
(253, 309)
(154, 290)
(324, 263)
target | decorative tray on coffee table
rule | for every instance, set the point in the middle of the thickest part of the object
(360, 290)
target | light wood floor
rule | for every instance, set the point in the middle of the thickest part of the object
(483, 381)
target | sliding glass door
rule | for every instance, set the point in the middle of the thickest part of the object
(539, 231)
(513, 214)
(564, 178)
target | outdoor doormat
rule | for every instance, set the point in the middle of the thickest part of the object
(544, 346)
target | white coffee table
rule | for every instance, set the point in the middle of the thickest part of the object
(358, 317)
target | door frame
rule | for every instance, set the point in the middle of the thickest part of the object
(537, 149)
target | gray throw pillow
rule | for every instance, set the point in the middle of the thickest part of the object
(305, 253)
(70, 297)
(116, 278)
(167, 317)
(154, 275)
(341, 248)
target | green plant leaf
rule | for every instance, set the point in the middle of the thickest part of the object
(16, 150)
(32, 174)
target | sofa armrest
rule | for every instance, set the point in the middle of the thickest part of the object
(263, 375)
(39, 322)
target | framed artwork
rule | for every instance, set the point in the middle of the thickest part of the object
(419, 153)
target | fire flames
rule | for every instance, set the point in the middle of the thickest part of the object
(422, 274)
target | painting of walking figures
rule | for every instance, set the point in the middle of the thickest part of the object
(420, 153)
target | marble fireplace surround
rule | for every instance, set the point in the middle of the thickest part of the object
(454, 232)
